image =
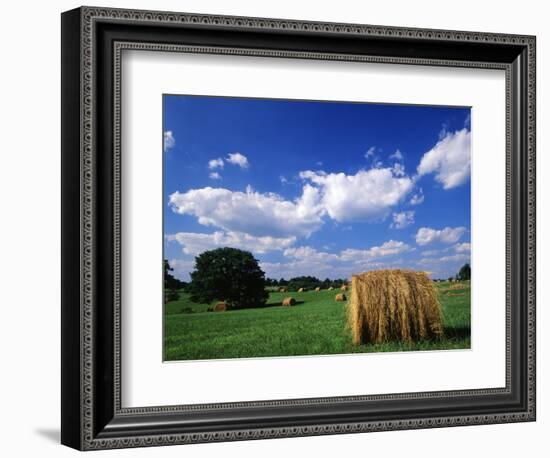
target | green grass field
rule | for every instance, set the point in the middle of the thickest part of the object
(315, 326)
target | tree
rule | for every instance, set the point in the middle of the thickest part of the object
(464, 273)
(171, 284)
(307, 282)
(230, 275)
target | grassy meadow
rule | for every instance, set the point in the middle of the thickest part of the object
(316, 325)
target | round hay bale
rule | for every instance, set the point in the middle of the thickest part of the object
(289, 301)
(317, 289)
(331, 288)
(282, 290)
(301, 290)
(394, 305)
(220, 307)
(344, 287)
(340, 297)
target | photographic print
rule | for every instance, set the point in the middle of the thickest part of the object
(305, 227)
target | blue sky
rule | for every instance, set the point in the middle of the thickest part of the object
(317, 188)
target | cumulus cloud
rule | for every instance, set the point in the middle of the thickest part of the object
(462, 247)
(389, 248)
(238, 159)
(215, 176)
(450, 259)
(398, 155)
(449, 159)
(215, 163)
(195, 243)
(252, 212)
(305, 260)
(426, 235)
(169, 140)
(182, 268)
(370, 152)
(402, 219)
(366, 196)
(417, 198)
(398, 169)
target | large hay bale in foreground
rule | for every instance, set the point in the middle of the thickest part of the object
(340, 298)
(390, 305)
(220, 307)
(289, 301)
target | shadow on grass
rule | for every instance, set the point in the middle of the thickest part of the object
(278, 304)
(457, 332)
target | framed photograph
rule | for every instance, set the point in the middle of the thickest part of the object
(276, 228)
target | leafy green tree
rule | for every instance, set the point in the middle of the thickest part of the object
(230, 275)
(464, 273)
(171, 284)
(307, 282)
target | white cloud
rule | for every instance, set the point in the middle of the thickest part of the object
(462, 247)
(305, 260)
(169, 140)
(426, 235)
(398, 169)
(417, 198)
(195, 243)
(432, 252)
(389, 248)
(238, 159)
(398, 155)
(215, 163)
(454, 258)
(403, 219)
(368, 195)
(370, 152)
(252, 212)
(182, 268)
(215, 176)
(449, 159)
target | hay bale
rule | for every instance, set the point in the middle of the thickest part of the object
(317, 289)
(331, 288)
(393, 305)
(282, 290)
(220, 307)
(289, 301)
(344, 287)
(301, 290)
(340, 297)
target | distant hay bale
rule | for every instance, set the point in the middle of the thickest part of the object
(220, 307)
(289, 301)
(457, 286)
(340, 297)
(331, 288)
(301, 290)
(317, 289)
(344, 287)
(282, 290)
(393, 305)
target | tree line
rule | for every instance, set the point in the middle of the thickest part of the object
(235, 277)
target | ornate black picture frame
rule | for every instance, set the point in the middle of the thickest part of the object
(92, 42)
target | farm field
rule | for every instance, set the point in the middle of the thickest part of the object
(316, 325)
